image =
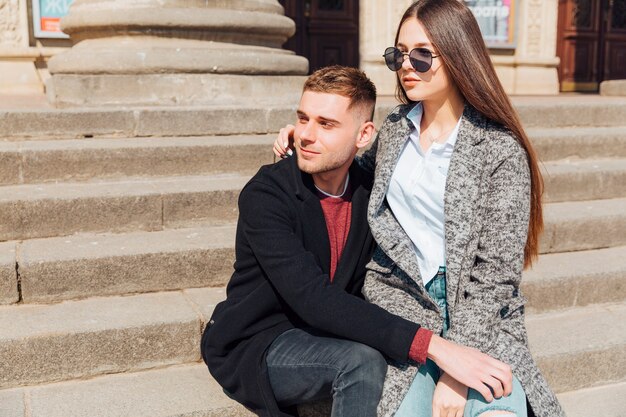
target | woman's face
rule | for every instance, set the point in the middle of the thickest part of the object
(434, 84)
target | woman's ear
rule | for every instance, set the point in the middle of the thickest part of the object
(366, 134)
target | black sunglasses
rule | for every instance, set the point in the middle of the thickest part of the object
(420, 58)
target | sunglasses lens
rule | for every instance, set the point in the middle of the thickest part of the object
(393, 58)
(421, 59)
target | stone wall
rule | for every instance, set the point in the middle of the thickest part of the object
(531, 68)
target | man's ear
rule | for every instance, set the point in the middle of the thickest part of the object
(366, 134)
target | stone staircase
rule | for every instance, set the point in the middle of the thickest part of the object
(117, 238)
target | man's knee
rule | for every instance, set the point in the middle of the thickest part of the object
(367, 362)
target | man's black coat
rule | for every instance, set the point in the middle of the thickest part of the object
(281, 281)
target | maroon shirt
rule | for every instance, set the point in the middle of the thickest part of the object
(337, 212)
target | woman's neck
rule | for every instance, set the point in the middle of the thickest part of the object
(440, 115)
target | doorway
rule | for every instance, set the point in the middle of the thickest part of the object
(591, 43)
(327, 31)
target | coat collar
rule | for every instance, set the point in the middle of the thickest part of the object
(462, 189)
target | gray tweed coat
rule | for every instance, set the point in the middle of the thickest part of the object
(487, 206)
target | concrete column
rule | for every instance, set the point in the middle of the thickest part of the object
(169, 52)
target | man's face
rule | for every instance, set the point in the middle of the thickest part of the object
(326, 132)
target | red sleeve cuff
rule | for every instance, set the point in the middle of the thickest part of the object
(419, 347)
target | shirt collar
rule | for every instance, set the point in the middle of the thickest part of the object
(415, 117)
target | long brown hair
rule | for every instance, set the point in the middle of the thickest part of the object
(455, 36)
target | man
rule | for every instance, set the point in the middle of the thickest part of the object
(294, 327)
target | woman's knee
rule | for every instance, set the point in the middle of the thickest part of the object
(498, 413)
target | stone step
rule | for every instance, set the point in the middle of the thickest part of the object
(85, 265)
(34, 162)
(130, 204)
(594, 179)
(560, 111)
(575, 279)
(77, 339)
(606, 401)
(565, 111)
(189, 390)
(580, 347)
(144, 121)
(76, 160)
(579, 142)
(87, 338)
(47, 210)
(81, 266)
(584, 225)
(177, 391)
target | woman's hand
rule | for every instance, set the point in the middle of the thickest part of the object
(283, 145)
(449, 398)
(472, 368)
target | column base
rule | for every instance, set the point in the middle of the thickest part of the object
(69, 90)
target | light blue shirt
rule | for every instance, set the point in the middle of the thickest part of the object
(415, 194)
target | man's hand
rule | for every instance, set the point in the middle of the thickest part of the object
(283, 145)
(449, 398)
(472, 368)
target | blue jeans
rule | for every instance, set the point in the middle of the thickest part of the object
(305, 366)
(418, 400)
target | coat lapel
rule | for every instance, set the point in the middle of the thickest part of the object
(461, 198)
(315, 231)
(359, 230)
(388, 233)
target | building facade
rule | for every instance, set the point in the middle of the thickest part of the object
(538, 46)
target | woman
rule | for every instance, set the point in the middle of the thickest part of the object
(456, 212)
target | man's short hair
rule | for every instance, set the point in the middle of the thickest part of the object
(347, 82)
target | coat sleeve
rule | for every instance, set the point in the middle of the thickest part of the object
(492, 293)
(294, 273)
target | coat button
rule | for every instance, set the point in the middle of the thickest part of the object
(504, 311)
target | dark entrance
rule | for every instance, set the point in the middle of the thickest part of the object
(591, 43)
(327, 31)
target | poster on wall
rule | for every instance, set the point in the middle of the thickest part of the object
(497, 21)
(47, 16)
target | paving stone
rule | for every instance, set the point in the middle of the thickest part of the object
(584, 180)
(10, 163)
(67, 123)
(12, 403)
(205, 300)
(8, 274)
(613, 88)
(605, 401)
(81, 266)
(572, 111)
(580, 347)
(199, 121)
(48, 210)
(77, 160)
(579, 142)
(572, 279)
(76, 339)
(181, 391)
(584, 225)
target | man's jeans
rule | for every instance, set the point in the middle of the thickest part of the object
(305, 365)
